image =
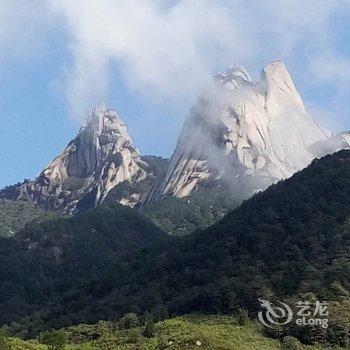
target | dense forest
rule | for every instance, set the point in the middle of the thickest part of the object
(14, 215)
(290, 243)
(204, 207)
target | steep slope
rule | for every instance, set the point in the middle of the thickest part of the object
(182, 216)
(14, 215)
(156, 168)
(100, 158)
(47, 259)
(291, 241)
(246, 134)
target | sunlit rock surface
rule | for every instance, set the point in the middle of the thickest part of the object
(100, 158)
(244, 133)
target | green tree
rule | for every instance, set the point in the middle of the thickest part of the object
(338, 332)
(55, 340)
(149, 330)
(128, 321)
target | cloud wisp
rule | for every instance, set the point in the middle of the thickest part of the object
(171, 49)
(168, 49)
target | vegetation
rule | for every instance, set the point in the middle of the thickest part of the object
(291, 343)
(19, 344)
(64, 259)
(181, 216)
(186, 332)
(290, 243)
(128, 321)
(149, 330)
(54, 340)
(158, 165)
(14, 215)
(4, 341)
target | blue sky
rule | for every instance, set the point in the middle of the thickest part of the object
(149, 60)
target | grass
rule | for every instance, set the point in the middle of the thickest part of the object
(18, 344)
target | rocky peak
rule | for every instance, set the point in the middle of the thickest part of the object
(105, 127)
(248, 134)
(280, 88)
(233, 77)
(102, 133)
(99, 159)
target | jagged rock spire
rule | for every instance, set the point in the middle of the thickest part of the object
(94, 163)
(244, 131)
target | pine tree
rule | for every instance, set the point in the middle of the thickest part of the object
(149, 330)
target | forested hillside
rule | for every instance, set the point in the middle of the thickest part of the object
(14, 215)
(290, 242)
(64, 258)
(181, 216)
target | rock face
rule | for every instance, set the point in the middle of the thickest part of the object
(99, 159)
(244, 134)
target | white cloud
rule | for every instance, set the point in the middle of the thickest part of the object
(171, 48)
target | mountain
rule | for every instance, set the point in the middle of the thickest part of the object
(289, 243)
(243, 134)
(98, 160)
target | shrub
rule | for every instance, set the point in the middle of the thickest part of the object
(290, 343)
(162, 343)
(242, 317)
(128, 321)
(55, 340)
(149, 330)
(3, 342)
